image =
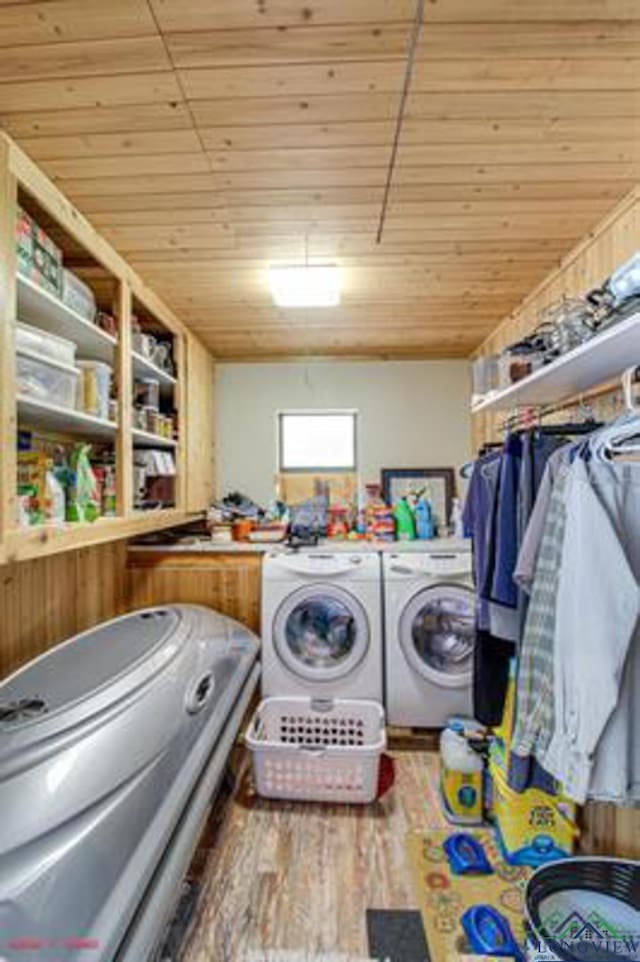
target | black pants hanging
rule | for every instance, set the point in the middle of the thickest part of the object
(490, 677)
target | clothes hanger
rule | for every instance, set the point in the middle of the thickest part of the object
(613, 441)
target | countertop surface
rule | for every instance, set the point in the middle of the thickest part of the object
(205, 546)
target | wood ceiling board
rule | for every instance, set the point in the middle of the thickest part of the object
(286, 211)
(104, 58)
(82, 187)
(137, 88)
(120, 166)
(542, 40)
(524, 75)
(315, 159)
(243, 14)
(498, 11)
(520, 105)
(451, 194)
(235, 318)
(449, 175)
(180, 204)
(56, 21)
(313, 136)
(318, 108)
(134, 143)
(418, 155)
(285, 247)
(297, 80)
(525, 172)
(529, 133)
(132, 119)
(507, 196)
(288, 45)
(480, 255)
(348, 235)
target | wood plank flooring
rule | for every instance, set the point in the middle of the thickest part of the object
(301, 876)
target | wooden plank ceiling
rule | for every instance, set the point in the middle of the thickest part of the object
(210, 138)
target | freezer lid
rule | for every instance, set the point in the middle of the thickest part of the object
(76, 669)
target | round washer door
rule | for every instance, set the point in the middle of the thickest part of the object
(437, 634)
(321, 632)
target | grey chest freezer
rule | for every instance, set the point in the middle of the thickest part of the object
(111, 748)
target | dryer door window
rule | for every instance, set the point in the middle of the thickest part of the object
(321, 632)
(437, 634)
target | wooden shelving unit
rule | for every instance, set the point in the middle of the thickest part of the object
(117, 289)
(592, 363)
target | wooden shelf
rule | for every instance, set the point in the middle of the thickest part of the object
(142, 367)
(42, 309)
(60, 420)
(25, 543)
(144, 439)
(602, 358)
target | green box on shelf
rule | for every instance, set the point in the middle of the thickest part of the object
(39, 259)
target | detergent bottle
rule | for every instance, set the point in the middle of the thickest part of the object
(424, 519)
(405, 523)
(461, 783)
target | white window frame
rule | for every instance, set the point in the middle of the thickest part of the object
(319, 412)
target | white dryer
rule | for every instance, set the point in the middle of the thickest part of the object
(322, 624)
(429, 636)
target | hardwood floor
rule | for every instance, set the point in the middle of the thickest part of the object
(301, 876)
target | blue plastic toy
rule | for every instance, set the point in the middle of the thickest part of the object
(489, 933)
(466, 855)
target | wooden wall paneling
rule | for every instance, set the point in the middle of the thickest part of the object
(588, 264)
(200, 440)
(230, 583)
(45, 601)
(8, 268)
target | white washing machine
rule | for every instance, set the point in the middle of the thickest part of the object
(322, 624)
(429, 636)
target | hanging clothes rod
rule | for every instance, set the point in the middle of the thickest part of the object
(532, 416)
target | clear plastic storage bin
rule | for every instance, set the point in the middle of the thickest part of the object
(34, 341)
(47, 380)
(78, 296)
(317, 750)
(95, 388)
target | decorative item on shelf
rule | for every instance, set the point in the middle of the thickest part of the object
(398, 483)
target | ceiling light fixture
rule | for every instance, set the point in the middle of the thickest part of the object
(305, 285)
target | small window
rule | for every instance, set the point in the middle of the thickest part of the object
(317, 440)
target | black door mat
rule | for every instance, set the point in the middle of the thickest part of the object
(397, 935)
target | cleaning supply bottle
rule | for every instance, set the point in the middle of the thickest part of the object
(461, 782)
(456, 526)
(424, 519)
(405, 523)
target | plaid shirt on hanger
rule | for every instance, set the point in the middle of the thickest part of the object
(535, 719)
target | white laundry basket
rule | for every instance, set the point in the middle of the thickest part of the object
(321, 750)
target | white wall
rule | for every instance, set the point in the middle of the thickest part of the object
(411, 414)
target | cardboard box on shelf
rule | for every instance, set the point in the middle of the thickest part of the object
(39, 259)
